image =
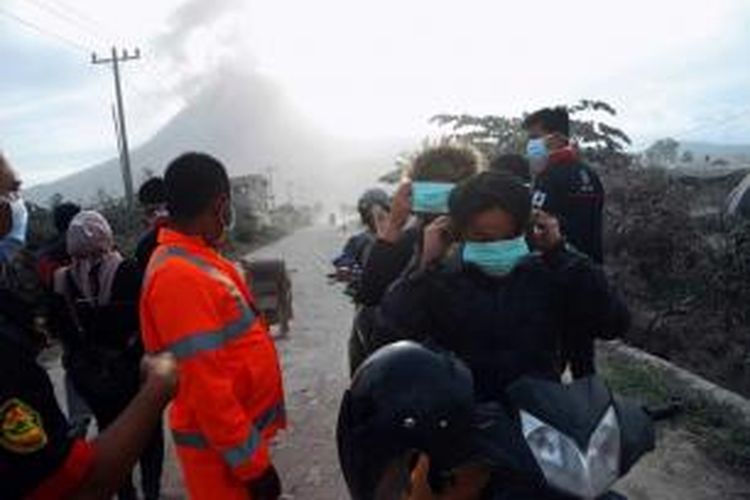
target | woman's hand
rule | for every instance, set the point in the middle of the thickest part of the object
(399, 215)
(436, 240)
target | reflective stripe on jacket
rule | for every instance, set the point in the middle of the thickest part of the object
(230, 399)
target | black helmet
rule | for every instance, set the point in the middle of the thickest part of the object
(368, 200)
(404, 397)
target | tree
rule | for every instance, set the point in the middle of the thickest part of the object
(687, 157)
(663, 151)
(495, 135)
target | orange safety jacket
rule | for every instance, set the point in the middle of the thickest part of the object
(230, 398)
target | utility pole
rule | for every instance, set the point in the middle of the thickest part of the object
(271, 198)
(115, 60)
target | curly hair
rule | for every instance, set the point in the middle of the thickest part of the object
(446, 163)
(9, 180)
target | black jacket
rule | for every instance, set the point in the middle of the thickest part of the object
(146, 245)
(385, 263)
(34, 439)
(102, 346)
(505, 327)
(573, 192)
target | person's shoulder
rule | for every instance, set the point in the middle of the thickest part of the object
(173, 274)
(534, 261)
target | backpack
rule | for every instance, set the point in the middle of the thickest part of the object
(104, 357)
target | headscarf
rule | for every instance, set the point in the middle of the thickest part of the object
(95, 261)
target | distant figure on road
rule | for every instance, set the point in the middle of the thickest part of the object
(372, 206)
(196, 305)
(565, 186)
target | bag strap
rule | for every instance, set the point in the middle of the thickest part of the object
(67, 292)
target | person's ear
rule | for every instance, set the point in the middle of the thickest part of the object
(220, 205)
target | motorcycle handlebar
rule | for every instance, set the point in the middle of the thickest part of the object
(665, 411)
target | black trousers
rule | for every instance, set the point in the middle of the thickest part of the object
(106, 409)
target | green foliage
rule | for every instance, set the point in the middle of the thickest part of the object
(716, 428)
(494, 135)
(663, 151)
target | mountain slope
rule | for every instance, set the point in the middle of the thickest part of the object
(250, 125)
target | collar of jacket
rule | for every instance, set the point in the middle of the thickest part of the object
(563, 156)
(169, 236)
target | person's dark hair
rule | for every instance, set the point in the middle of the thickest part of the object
(192, 182)
(152, 192)
(62, 214)
(488, 190)
(552, 120)
(369, 200)
(512, 163)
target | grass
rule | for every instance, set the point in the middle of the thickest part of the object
(716, 429)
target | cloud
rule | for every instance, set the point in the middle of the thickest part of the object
(191, 17)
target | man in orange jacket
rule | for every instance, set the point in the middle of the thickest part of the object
(195, 304)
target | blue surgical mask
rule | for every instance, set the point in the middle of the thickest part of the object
(496, 258)
(430, 197)
(536, 149)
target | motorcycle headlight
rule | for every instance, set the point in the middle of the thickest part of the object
(582, 473)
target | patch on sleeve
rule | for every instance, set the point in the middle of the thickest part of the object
(21, 427)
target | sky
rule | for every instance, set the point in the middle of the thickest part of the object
(368, 69)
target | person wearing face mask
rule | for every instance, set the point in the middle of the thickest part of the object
(419, 199)
(481, 293)
(564, 186)
(196, 305)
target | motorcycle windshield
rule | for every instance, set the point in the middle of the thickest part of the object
(575, 409)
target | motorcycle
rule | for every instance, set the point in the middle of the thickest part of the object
(553, 441)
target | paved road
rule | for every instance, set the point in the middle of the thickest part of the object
(314, 363)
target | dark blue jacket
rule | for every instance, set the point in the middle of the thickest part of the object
(505, 327)
(573, 192)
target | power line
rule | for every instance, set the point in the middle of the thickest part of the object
(83, 16)
(714, 124)
(43, 31)
(56, 11)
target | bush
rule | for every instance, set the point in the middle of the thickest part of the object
(687, 278)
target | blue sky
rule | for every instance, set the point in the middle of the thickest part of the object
(370, 68)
